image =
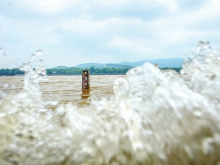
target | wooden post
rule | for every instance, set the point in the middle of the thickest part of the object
(85, 84)
(85, 79)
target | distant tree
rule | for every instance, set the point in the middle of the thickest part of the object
(92, 70)
(75, 71)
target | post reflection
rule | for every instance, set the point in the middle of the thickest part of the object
(85, 93)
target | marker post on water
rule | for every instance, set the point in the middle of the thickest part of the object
(85, 84)
(85, 79)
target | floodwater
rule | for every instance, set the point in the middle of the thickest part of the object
(146, 117)
(65, 89)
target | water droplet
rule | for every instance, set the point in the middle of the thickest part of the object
(1, 51)
(5, 55)
(198, 113)
(14, 65)
(39, 52)
(32, 57)
(6, 85)
(2, 95)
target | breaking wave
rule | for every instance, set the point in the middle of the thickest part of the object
(154, 118)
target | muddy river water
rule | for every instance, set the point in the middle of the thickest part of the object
(152, 116)
(64, 89)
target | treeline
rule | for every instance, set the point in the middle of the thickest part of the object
(93, 71)
(176, 69)
(69, 71)
(10, 72)
(74, 71)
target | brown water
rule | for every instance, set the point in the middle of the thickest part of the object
(65, 89)
(154, 117)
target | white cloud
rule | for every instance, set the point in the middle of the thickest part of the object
(47, 6)
(182, 19)
(23, 38)
(56, 6)
(171, 4)
(111, 2)
(89, 25)
(157, 36)
(111, 38)
(187, 26)
(32, 32)
(141, 47)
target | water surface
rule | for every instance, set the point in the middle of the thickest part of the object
(65, 89)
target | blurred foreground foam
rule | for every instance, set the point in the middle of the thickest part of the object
(154, 118)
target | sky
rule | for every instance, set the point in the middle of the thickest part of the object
(72, 32)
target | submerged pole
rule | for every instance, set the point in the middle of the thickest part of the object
(85, 84)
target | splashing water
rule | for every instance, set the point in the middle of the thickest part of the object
(4, 55)
(155, 118)
(39, 52)
(1, 51)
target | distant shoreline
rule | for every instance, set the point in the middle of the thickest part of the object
(81, 75)
(63, 75)
(74, 71)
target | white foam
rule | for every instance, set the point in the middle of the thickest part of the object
(154, 117)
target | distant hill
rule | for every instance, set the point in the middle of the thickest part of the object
(163, 63)
(89, 65)
(97, 65)
(60, 67)
(116, 66)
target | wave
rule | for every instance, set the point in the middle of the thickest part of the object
(155, 117)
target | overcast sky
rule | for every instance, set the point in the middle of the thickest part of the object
(72, 32)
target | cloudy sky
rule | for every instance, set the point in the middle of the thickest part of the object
(72, 32)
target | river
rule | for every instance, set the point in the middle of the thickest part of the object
(146, 117)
